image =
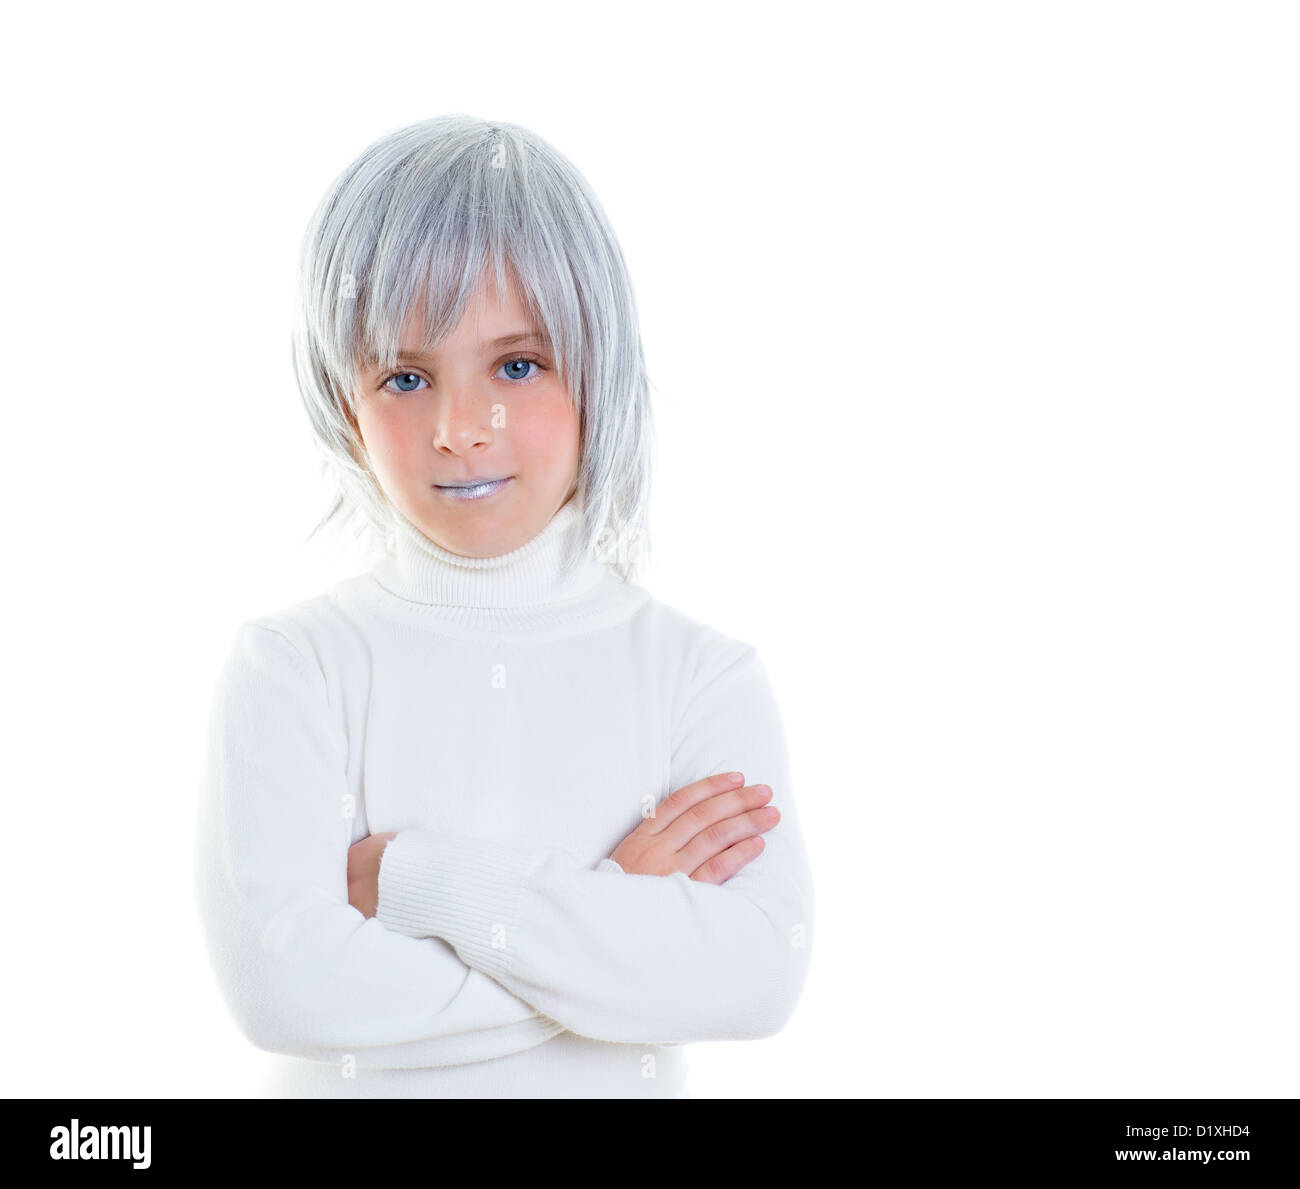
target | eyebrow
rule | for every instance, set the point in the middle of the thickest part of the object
(532, 337)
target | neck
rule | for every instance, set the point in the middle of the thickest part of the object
(535, 575)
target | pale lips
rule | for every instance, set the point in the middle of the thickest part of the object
(480, 489)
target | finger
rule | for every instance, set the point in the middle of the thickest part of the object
(722, 867)
(703, 814)
(721, 835)
(675, 804)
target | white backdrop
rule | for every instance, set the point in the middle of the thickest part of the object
(973, 335)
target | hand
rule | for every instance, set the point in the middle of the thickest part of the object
(709, 830)
(363, 872)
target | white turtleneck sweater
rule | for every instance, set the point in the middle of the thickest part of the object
(512, 721)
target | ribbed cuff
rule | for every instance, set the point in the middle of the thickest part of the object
(436, 883)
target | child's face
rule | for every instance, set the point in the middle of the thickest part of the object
(474, 410)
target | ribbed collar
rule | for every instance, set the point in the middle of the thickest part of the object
(532, 576)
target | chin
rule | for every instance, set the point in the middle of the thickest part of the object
(486, 540)
(477, 530)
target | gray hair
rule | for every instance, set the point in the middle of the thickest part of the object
(419, 216)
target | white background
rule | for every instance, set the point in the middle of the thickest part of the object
(973, 335)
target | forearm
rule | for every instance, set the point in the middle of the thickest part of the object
(321, 982)
(616, 957)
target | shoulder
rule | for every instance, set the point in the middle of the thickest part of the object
(701, 655)
(317, 634)
(692, 637)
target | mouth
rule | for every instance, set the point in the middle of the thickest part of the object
(475, 490)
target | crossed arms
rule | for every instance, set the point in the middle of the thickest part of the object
(479, 949)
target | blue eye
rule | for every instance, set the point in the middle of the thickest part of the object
(525, 363)
(403, 376)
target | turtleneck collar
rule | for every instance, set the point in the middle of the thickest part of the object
(531, 576)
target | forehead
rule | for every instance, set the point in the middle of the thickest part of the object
(488, 322)
(525, 335)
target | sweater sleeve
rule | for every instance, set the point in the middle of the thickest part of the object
(301, 970)
(642, 959)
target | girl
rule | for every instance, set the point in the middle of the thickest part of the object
(437, 852)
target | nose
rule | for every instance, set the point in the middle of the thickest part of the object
(462, 421)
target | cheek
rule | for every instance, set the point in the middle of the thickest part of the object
(389, 443)
(546, 429)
